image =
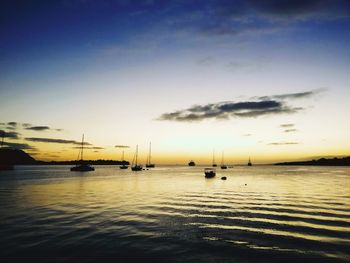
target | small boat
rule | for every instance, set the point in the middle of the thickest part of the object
(249, 162)
(209, 172)
(191, 163)
(223, 166)
(81, 166)
(134, 166)
(148, 162)
(124, 166)
(214, 164)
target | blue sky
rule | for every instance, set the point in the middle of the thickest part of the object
(77, 65)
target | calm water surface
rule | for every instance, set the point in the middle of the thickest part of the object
(174, 214)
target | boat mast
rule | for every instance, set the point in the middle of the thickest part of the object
(222, 158)
(213, 156)
(82, 147)
(149, 154)
(137, 149)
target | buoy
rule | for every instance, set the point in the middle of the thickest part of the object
(223, 178)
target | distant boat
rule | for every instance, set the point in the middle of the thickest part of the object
(223, 166)
(5, 166)
(81, 166)
(209, 172)
(148, 162)
(124, 166)
(249, 162)
(134, 166)
(191, 163)
(214, 164)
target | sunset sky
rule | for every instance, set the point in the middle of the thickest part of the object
(265, 79)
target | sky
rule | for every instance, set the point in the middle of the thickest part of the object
(267, 80)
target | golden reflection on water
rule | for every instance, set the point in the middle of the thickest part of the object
(256, 207)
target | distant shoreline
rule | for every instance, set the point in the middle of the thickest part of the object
(321, 162)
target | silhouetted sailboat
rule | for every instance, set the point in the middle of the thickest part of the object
(134, 166)
(5, 166)
(148, 162)
(249, 162)
(124, 166)
(214, 164)
(191, 163)
(81, 166)
(209, 172)
(223, 166)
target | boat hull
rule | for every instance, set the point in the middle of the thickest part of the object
(123, 167)
(6, 167)
(136, 168)
(82, 168)
(150, 165)
(210, 174)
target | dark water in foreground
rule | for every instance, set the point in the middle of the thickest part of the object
(174, 214)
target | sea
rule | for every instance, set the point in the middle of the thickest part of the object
(262, 213)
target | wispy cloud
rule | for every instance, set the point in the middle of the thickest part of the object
(122, 146)
(19, 146)
(89, 147)
(290, 130)
(38, 128)
(283, 143)
(12, 135)
(287, 125)
(51, 140)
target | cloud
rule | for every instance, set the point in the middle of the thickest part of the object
(19, 146)
(50, 140)
(287, 125)
(283, 143)
(12, 123)
(89, 147)
(225, 110)
(247, 135)
(290, 130)
(26, 125)
(38, 128)
(260, 106)
(122, 146)
(12, 135)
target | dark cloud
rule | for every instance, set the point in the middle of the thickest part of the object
(122, 146)
(283, 143)
(290, 130)
(89, 147)
(38, 128)
(19, 146)
(12, 135)
(291, 96)
(12, 123)
(287, 125)
(50, 140)
(225, 110)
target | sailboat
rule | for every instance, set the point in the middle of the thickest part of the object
(223, 166)
(5, 166)
(214, 164)
(134, 166)
(191, 163)
(81, 166)
(124, 166)
(148, 162)
(249, 162)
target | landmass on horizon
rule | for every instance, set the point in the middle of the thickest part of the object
(20, 157)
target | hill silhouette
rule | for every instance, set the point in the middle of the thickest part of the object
(321, 162)
(14, 156)
(19, 157)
